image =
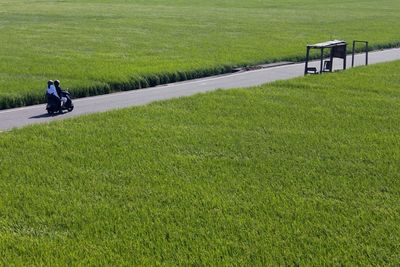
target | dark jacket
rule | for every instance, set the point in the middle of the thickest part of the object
(53, 100)
(59, 91)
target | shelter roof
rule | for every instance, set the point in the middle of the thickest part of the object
(328, 44)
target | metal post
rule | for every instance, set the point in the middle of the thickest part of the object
(366, 51)
(345, 57)
(322, 61)
(307, 58)
(331, 59)
(352, 56)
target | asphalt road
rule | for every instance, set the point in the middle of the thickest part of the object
(19, 117)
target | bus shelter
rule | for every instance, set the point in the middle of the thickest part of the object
(337, 50)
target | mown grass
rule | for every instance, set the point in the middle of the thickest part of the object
(301, 172)
(96, 47)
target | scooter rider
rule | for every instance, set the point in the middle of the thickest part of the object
(51, 89)
(60, 91)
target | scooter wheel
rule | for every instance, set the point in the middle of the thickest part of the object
(70, 109)
(50, 112)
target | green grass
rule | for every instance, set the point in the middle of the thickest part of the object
(96, 47)
(298, 172)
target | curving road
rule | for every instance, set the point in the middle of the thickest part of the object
(19, 117)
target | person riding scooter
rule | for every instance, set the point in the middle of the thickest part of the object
(60, 92)
(51, 89)
(52, 95)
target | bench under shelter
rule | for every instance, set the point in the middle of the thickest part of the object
(337, 50)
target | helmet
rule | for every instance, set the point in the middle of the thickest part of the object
(56, 82)
(50, 82)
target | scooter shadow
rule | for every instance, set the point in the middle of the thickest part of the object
(46, 115)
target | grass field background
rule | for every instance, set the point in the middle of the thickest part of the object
(96, 47)
(303, 172)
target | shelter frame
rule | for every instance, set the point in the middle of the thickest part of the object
(338, 49)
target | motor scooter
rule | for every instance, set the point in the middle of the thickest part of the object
(54, 104)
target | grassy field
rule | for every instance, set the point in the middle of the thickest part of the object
(298, 172)
(96, 47)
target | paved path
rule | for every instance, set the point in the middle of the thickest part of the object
(19, 117)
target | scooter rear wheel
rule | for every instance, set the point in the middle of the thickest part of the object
(70, 109)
